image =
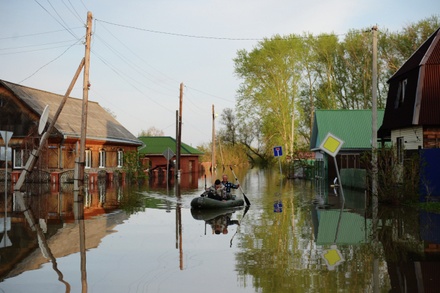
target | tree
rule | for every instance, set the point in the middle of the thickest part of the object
(152, 131)
(266, 96)
(284, 79)
(229, 120)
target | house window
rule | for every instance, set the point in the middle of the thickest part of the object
(401, 92)
(18, 159)
(101, 158)
(120, 158)
(400, 149)
(88, 162)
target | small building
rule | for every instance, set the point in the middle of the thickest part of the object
(152, 154)
(354, 127)
(412, 114)
(107, 140)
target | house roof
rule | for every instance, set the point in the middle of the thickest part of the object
(101, 125)
(425, 54)
(156, 145)
(352, 126)
(420, 103)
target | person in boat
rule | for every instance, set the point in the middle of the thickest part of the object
(217, 191)
(228, 185)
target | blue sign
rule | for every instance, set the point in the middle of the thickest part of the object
(277, 151)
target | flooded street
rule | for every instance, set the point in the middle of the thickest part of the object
(147, 239)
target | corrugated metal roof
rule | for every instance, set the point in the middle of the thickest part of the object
(421, 105)
(100, 124)
(156, 145)
(352, 126)
(417, 58)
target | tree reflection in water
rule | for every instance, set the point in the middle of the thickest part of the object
(274, 249)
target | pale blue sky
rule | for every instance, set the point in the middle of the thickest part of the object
(136, 68)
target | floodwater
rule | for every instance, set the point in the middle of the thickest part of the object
(147, 239)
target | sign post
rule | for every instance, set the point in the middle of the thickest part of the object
(278, 152)
(331, 145)
(168, 154)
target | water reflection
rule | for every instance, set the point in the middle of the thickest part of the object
(219, 220)
(51, 225)
(148, 238)
(39, 226)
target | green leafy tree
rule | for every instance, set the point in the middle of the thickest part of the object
(266, 97)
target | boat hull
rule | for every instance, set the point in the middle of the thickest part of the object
(209, 203)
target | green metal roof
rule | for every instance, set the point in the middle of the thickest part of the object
(352, 126)
(156, 145)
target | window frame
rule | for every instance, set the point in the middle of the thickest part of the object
(120, 158)
(102, 158)
(88, 159)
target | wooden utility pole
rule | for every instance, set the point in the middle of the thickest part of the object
(179, 132)
(79, 166)
(213, 142)
(374, 122)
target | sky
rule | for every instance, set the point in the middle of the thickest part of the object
(142, 50)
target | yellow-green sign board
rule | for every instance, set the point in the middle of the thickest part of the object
(331, 144)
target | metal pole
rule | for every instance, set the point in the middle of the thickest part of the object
(339, 178)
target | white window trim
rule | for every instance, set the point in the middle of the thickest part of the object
(120, 158)
(22, 165)
(88, 159)
(101, 158)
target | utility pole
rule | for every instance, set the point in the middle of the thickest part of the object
(374, 169)
(79, 166)
(374, 122)
(179, 133)
(213, 141)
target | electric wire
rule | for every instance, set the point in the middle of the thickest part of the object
(66, 28)
(179, 35)
(50, 61)
(73, 11)
(38, 34)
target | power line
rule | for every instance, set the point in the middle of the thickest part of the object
(177, 34)
(38, 34)
(49, 62)
(65, 27)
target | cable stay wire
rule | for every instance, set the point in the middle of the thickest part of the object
(50, 61)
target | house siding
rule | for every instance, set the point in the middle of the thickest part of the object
(412, 136)
(430, 107)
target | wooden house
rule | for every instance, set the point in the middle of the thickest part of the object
(412, 114)
(106, 143)
(152, 154)
(354, 127)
